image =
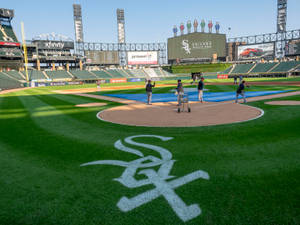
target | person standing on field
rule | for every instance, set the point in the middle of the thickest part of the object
(98, 85)
(241, 91)
(180, 91)
(149, 87)
(200, 89)
(235, 79)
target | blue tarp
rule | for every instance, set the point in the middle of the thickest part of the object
(193, 96)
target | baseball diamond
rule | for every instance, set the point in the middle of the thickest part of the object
(121, 113)
(222, 157)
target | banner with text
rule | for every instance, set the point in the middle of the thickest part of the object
(142, 58)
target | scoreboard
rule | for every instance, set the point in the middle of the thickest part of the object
(197, 45)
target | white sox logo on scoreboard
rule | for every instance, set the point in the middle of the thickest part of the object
(162, 180)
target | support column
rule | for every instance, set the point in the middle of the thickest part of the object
(68, 66)
(53, 66)
(38, 64)
(80, 64)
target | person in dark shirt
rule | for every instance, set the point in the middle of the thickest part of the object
(241, 91)
(149, 87)
(200, 89)
(180, 91)
(235, 79)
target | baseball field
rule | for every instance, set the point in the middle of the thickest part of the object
(61, 164)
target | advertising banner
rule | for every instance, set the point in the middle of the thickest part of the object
(142, 58)
(9, 43)
(256, 51)
(135, 79)
(74, 83)
(118, 80)
(155, 78)
(57, 45)
(222, 76)
(197, 46)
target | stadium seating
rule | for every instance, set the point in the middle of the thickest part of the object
(101, 74)
(35, 75)
(226, 71)
(242, 68)
(83, 74)
(123, 73)
(167, 73)
(263, 67)
(7, 83)
(129, 73)
(158, 72)
(138, 73)
(15, 74)
(150, 72)
(115, 73)
(59, 74)
(285, 66)
(10, 34)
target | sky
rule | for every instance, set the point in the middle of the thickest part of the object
(147, 21)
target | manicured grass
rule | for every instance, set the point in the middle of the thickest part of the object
(254, 166)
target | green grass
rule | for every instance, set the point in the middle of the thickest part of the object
(254, 166)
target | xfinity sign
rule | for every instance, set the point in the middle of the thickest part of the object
(57, 45)
(50, 45)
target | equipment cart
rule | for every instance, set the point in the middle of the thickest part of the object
(184, 103)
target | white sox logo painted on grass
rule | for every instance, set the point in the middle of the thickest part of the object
(160, 179)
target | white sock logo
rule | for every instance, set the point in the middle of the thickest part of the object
(159, 178)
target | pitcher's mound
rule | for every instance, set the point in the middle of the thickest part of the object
(166, 115)
(283, 103)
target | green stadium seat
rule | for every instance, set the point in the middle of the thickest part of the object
(10, 33)
(285, 66)
(263, 67)
(8, 83)
(101, 74)
(83, 74)
(129, 72)
(123, 73)
(242, 68)
(159, 72)
(115, 73)
(138, 73)
(15, 74)
(35, 75)
(59, 74)
(227, 70)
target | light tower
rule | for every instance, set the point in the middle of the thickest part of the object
(281, 27)
(121, 36)
(78, 27)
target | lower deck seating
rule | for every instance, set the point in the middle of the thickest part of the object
(263, 67)
(138, 73)
(83, 74)
(115, 73)
(285, 66)
(34, 75)
(101, 74)
(59, 74)
(15, 74)
(8, 83)
(242, 68)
